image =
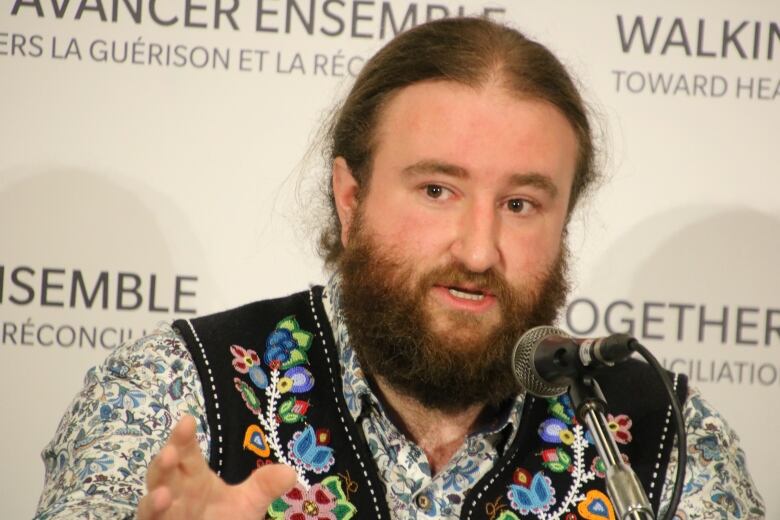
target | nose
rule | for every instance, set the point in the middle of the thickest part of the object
(476, 243)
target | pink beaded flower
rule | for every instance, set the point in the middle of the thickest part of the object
(620, 427)
(317, 503)
(243, 359)
(323, 501)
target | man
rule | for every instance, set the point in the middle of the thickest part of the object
(457, 160)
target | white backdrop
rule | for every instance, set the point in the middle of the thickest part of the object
(154, 160)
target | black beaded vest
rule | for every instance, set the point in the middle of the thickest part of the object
(272, 382)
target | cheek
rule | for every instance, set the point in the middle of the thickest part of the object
(406, 231)
(530, 255)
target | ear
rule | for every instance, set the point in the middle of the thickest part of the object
(345, 194)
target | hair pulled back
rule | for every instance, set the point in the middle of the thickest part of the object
(470, 51)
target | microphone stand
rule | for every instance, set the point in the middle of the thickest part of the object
(623, 486)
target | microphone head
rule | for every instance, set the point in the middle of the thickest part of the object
(523, 365)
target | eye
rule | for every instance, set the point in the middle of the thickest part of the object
(518, 205)
(434, 191)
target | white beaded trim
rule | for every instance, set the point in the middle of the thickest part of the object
(214, 396)
(509, 459)
(656, 476)
(338, 405)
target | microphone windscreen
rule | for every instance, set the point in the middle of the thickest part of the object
(524, 366)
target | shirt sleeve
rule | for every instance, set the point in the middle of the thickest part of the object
(96, 463)
(717, 482)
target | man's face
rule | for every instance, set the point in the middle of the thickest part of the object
(461, 224)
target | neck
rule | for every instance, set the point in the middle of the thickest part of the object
(438, 433)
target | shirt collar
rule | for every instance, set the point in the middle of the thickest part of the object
(357, 390)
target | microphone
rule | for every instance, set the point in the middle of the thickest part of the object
(546, 360)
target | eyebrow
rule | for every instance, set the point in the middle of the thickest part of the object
(534, 179)
(433, 166)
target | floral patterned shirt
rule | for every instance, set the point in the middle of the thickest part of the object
(96, 463)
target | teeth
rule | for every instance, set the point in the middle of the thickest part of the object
(466, 296)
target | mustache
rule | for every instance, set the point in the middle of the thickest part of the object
(457, 275)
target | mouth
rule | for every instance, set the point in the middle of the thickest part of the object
(474, 295)
(466, 298)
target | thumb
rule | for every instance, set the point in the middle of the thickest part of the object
(268, 483)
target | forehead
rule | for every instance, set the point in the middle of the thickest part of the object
(484, 130)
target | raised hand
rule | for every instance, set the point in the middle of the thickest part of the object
(180, 484)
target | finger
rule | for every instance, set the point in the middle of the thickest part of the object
(154, 504)
(183, 431)
(190, 458)
(161, 467)
(268, 483)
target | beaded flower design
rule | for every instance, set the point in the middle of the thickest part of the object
(281, 373)
(564, 444)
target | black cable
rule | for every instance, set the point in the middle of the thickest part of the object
(679, 423)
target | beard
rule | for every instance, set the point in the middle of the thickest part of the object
(385, 306)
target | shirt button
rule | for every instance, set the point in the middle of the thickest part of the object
(423, 502)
